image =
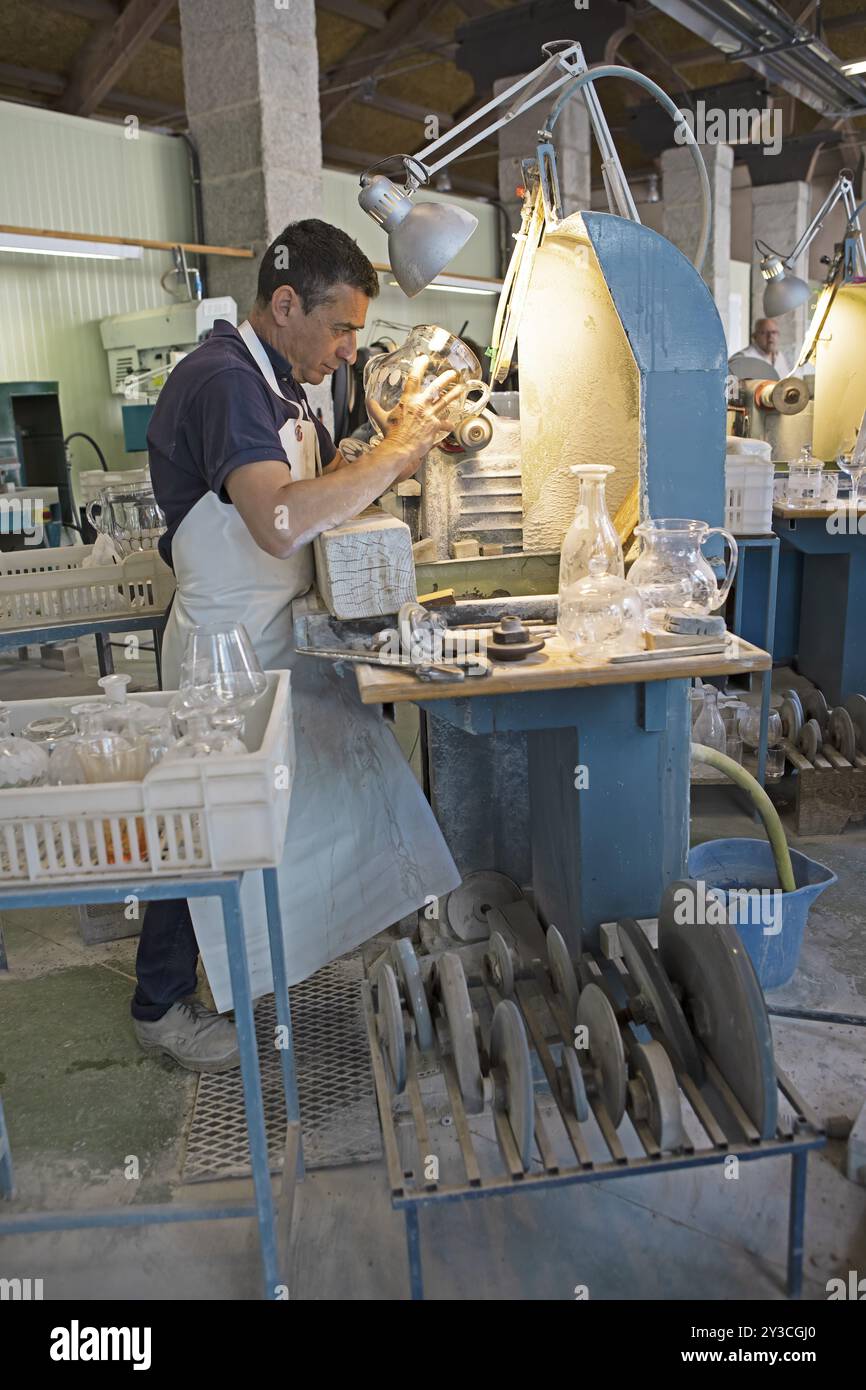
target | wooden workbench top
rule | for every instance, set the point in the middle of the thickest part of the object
(781, 509)
(553, 669)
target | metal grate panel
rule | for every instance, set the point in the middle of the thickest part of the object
(335, 1085)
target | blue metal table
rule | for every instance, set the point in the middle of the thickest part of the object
(101, 629)
(274, 1221)
(831, 577)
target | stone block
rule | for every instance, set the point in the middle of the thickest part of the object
(229, 141)
(234, 209)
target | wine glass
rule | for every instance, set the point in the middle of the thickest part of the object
(854, 465)
(220, 670)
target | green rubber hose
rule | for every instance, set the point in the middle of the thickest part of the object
(767, 811)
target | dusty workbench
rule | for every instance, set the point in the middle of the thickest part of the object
(574, 778)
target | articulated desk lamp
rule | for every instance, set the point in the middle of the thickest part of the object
(424, 237)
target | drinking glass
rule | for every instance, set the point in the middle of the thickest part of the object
(220, 670)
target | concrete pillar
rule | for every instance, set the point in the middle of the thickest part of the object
(682, 215)
(572, 140)
(251, 72)
(780, 216)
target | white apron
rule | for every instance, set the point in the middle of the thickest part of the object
(362, 846)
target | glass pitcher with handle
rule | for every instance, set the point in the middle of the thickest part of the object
(385, 375)
(671, 571)
(129, 516)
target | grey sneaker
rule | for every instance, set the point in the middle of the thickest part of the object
(194, 1036)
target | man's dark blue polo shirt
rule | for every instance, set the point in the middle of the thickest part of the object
(215, 413)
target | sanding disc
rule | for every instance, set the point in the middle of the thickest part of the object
(791, 714)
(466, 907)
(659, 1093)
(408, 972)
(572, 1084)
(389, 1021)
(841, 733)
(511, 1065)
(815, 707)
(498, 964)
(452, 989)
(722, 1000)
(811, 739)
(605, 1049)
(856, 707)
(648, 974)
(562, 971)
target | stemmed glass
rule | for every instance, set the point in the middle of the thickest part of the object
(220, 672)
(854, 464)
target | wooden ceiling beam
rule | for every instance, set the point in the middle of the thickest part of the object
(377, 49)
(53, 83)
(109, 53)
(355, 10)
(106, 12)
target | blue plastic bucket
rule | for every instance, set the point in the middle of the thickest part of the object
(771, 925)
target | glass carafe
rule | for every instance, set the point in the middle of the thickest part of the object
(591, 536)
(129, 515)
(600, 615)
(709, 730)
(385, 375)
(671, 572)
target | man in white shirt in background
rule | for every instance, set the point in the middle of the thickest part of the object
(765, 345)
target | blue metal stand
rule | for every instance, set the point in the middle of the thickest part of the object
(830, 647)
(273, 1227)
(608, 771)
(101, 629)
(754, 613)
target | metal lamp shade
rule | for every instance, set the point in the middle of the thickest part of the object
(784, 293)
(425, 242)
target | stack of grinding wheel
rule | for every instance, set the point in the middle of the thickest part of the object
(809, 725)
(689, 1009)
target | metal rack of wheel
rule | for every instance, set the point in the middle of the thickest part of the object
(640, 1060)
(826, 747)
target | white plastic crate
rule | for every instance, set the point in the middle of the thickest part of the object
(748, 487)
(91, 481)
(44, 587)
(185, 817)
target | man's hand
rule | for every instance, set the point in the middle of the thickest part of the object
(419, 419)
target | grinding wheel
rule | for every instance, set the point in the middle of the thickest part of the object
(572, 1085)
(466, 907)
(723, 1001)
(498, 964)
(562, 972)
(655, 1096)
(605, 1049)
(511, 1065)
(841, 733)
(815, 707)
(856, 707)
(389, 1022)
(791, 714)
(408, 972)
(453, 991)
(811, 739)
(648, 974)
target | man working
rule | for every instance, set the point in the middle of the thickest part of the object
(247, 477)
(765, 345)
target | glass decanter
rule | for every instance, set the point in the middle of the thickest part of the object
(22, 762)
(591, 534)
(600, 615)
(709, 730)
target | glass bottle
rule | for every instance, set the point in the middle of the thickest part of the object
(591, 535)
(601, 615)
(709, 730)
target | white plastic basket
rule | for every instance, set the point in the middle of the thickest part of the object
(748, 487)
(44, 587)
(185, 817)
(91, 481)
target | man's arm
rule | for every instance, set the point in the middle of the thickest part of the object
(282, 515)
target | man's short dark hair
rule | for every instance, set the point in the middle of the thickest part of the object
(314, 257)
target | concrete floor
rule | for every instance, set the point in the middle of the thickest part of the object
(94, 1122)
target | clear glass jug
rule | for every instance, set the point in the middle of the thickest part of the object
(385, 375)
(591, 535)
(130, 516)
(671, 572)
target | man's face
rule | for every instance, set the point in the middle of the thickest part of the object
(767, 335)
(316, 343)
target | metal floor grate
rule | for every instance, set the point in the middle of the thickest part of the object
(335, 1083)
